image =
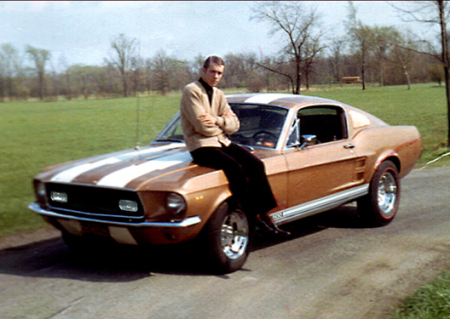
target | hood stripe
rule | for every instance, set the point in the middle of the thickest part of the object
(267, 98)
(73, 172)
(124, 176)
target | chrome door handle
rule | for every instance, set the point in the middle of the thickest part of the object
(349, 146)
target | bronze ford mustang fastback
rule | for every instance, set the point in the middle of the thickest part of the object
(318, 153)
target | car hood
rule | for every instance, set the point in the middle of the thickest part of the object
(157, 167)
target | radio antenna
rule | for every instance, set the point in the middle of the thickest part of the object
(137, 123)
(137, 147)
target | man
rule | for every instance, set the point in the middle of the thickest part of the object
(206, 118)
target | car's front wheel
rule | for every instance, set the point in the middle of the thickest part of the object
(227, 239)
(380, 206)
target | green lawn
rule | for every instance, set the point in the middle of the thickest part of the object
(39, 134)
(429, 302)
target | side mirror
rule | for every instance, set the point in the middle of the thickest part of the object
(308, 140)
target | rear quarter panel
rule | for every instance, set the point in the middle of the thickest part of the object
(402, 144)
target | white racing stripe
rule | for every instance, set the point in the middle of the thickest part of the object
(73, 172)
(124, 176)
(150, 150)
(69, 174)
(267, 98)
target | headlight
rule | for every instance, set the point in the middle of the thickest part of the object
(128, 205)
(175, 203)
(59, 197)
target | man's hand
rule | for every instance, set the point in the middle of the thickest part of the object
(228, 114)
(207, 119)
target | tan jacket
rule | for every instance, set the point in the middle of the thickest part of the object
(194, 103)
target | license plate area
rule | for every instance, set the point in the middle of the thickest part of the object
(95, 229)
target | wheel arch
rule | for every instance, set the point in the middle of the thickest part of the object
(389, 156)
(395, 160)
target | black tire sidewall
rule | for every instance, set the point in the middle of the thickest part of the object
(212, 238)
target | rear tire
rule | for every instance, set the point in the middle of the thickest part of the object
(227, 239)
(380, 206)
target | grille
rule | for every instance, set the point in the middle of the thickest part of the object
(94, 202)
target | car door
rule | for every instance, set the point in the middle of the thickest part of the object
(326, 167)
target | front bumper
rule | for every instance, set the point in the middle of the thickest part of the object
(145, 233)
(175, 224)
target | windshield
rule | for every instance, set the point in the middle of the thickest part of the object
(260, 126)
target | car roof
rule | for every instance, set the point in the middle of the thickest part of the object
(286, 100)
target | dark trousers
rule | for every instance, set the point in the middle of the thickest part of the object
(245, 172)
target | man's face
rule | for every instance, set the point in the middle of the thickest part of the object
(212, 74)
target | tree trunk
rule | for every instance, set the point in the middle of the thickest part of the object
(407, 78)
(363, 78)
(445, 62)
(41, 86)
(298, 79)
(363, 66)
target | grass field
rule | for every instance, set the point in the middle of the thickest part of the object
(429, 302)
(39, 134)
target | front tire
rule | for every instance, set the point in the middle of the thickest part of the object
(380, 206)
(227, 239)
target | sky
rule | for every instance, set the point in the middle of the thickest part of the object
(80, 32)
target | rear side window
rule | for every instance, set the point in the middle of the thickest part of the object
(326, 122)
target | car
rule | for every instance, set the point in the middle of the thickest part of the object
(319, 154)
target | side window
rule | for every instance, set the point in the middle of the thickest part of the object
(327, 123)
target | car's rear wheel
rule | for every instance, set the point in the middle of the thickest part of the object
(380, 206)
(227, 239)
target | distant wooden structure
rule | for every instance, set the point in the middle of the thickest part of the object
(350, 79)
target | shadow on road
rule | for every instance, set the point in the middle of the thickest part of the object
(343, 217)
(52, 259)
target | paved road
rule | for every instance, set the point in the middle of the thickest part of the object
(331, 268)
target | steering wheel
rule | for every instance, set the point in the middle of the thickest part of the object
(265, 138)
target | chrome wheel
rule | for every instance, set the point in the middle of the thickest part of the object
(387, 194)
(379, 207)
(234, 236)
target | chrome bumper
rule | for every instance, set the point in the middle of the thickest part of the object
(176, 224)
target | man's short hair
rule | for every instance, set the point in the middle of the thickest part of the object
(213, 59)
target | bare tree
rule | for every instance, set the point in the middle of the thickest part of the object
(40, 58)
(63, 65)
(124, 48)
(362, 38)
(384, 41)
(335, 61)
(311, 48)
(161, 72)
(298, 25)
(9, 69)
(3, 76)
(239, 69)
(402, 53)
(136, 75)
(435, 13)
